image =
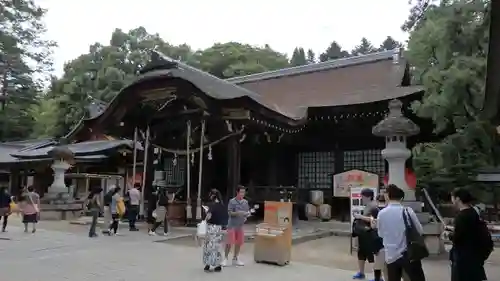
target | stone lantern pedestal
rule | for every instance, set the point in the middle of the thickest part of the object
(58, 202)
(395, 128)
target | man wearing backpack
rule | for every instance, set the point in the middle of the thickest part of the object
(472, 242)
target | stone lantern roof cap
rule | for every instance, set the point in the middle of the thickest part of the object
(395, 124)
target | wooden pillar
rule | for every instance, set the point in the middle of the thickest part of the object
(272, 170)
(233, 165)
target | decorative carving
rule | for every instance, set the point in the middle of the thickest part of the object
(395, 124)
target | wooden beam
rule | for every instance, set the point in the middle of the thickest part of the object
(235, 114)
(492, 89)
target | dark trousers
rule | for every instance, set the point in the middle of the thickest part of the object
(157, 224)
(468, 270)
(5, 220)
(133, 212)
(114, 224)
(93, 224)
(413, 269)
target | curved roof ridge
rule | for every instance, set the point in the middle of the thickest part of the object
(303, 69)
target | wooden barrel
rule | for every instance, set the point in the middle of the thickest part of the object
(177, 213)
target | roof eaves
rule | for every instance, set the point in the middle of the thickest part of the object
(304, 69)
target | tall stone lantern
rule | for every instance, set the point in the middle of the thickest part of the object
(63, 158)
(395, 128)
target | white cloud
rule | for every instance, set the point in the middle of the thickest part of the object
(282, 24)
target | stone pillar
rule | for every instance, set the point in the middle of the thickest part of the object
(395, 128)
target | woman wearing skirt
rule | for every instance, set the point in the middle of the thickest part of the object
(216, 222)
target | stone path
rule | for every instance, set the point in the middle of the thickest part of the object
(65, 253)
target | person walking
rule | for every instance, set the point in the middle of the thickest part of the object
(134, 199)
(5, 200)
(30, 209)
(161, 212)
(391, 228)
(113, 207)
(472, 243)
(238, 210)
(216, 222)
(93, 204)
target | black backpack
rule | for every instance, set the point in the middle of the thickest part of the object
(485, 241)
(108, 198)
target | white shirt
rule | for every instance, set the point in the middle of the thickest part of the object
(391, 228)
(135, 196)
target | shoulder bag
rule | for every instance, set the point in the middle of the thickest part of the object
(416, 248)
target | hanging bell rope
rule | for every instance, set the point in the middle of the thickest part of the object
(185, 152)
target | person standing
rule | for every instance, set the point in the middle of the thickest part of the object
(391, 228)
(115, 216)
(161, 212)
(216, 222)
(238, 211)
(30, 208)
(93, 204)
(5, 200)
(472, 243)
(369, 243)
(134, 199)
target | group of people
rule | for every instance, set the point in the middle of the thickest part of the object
(224, 226)
(27, 204)
(115, 206)
(383, 238)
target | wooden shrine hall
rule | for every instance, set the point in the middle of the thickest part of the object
(288, 129)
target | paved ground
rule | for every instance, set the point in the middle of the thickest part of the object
(62, 252)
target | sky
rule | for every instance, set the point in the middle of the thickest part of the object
(284, 25)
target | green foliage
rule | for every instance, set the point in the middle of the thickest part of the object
(364, 47)
(448, 47)
(389, 44)
(24, 60)
(298, 57)
(311, 57)
(334, 51)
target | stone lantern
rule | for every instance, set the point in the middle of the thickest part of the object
(63, 158)
(395, 128)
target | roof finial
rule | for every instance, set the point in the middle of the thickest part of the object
(396, 55)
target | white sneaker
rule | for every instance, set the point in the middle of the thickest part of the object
(224, 263)
(238, 262)
(151, 233)
(164, 234)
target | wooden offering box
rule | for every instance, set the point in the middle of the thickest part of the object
(273, 238)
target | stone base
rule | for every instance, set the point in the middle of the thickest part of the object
(433, 239)
(61, 211)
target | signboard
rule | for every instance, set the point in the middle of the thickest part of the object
(343, 182)
(356, 202)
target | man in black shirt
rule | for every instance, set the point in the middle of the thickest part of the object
(369, 244)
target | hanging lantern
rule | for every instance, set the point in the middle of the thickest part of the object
(209, 155)
(174, 161)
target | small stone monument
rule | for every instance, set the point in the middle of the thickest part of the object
(395, 128)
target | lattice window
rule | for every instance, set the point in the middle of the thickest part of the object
(366, 160)
(316, 169)
(175, 174)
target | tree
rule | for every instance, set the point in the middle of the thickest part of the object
(298, 57)
(24, 60)
(448, 47)
(389, 44)
(226, 60)
(311, 57)
(45, 114)
(365, 47)
(333, 52)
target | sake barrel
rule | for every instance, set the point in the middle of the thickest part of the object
(325, 212)
(311, 211)
(316, 197)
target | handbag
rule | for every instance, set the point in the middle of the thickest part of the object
(201, 229)
(416, 248)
